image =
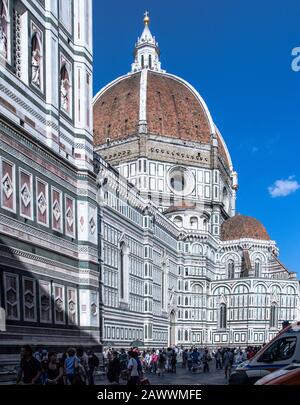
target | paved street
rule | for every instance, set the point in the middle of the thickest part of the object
(182, 377)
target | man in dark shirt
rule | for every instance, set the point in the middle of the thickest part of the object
(30, 368)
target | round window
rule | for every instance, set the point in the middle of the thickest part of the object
(181, 181)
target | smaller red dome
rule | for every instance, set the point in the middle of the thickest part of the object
(243, 227)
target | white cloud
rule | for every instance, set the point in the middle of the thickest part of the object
(283, 188)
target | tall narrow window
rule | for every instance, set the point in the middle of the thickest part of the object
(88, 98)
(162, 288)
(223, 316)
(150, 62)
(230, 269)
(142, 61)
(274, 316)
(122, 267)
(257, 268)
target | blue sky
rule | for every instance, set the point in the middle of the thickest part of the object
(238, 56)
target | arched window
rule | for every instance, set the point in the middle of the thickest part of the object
(146, 288)
(223, 316)
(257, 268)
(142, 61)
(274, 316)
(197, 289)
(197, 249)
(3, 29)
(186, 286)
(205, 227)
(186, 301)
(194, 222)
(178, 221)
(186, 335)
(150, 62)
(186, 315)
(230, 269)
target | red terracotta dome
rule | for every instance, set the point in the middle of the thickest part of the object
(172, 107)
(243, 227)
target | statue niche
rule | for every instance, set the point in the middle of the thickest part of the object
(3, 29)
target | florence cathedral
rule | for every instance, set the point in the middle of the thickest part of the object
(118, 217)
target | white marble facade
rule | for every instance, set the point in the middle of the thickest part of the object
(183, 284)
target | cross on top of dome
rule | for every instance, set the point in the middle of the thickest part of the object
(146, 18)
(146, 53)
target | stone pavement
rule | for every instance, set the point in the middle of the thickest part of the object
(182, 377)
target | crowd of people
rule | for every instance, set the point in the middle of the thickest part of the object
(135, 364)
(77, 366)
(74, 367)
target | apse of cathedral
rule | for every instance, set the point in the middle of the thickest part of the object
(120, 227)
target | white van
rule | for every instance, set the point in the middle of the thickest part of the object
(281, 351)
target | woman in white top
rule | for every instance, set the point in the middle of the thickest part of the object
(132, 366)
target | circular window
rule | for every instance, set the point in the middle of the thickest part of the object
(181, 181)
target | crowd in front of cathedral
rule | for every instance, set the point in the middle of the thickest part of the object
(135, 365)
(79, 367)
